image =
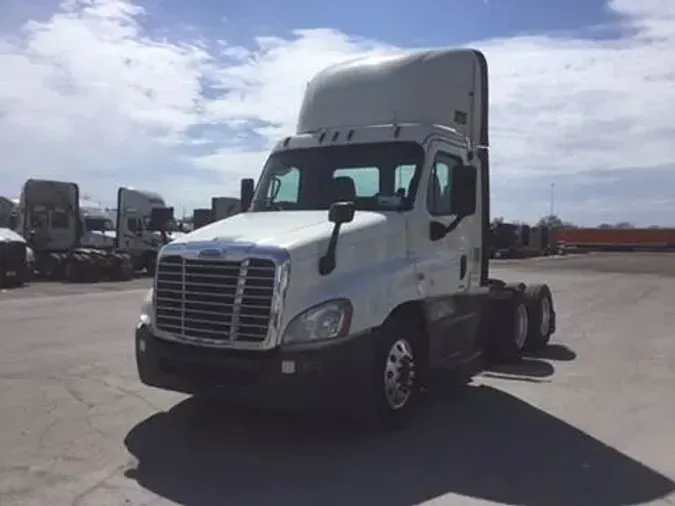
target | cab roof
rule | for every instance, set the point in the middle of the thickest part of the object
(446, 87)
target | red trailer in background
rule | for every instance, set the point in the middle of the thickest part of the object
(615, 239)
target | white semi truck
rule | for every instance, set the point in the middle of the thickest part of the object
(360, 262)
(98, 227)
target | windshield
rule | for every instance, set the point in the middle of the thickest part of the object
(99, 224)
(376, 177)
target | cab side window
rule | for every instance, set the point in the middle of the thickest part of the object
(439, 189)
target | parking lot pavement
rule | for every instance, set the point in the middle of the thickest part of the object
(662, 264)
(589, 422)
(37, 289)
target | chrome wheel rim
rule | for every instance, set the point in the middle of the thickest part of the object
(399, 374)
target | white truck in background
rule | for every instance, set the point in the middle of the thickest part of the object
(16, 259)
(137, 234)
(7, 210)
(360, 262)
(98, 226)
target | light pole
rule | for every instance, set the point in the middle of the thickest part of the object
(552, 201)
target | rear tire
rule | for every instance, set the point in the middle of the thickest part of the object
(73, 269)
(509, 324)
(122, 267)
(541, 322)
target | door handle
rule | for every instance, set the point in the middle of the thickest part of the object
(462, 267)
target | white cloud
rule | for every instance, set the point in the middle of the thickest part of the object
(88, 95)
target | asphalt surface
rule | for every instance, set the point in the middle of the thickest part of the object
(662, 264)
(40, 289)
(589, 422)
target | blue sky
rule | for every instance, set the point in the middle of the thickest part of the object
(425, 23)
(110, 92)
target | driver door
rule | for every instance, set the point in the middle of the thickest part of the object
(445, 263)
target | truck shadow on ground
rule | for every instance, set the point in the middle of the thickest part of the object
(556, 352)
(534, 367)
(472, 441)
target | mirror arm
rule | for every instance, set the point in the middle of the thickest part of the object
(327, 262)
(453, 224)
(450, 227)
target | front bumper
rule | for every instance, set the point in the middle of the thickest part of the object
(330, 374)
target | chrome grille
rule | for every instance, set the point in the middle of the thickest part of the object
(214, 300)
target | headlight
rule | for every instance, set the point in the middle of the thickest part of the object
(325, 321)
(30, 256)
(145, 317)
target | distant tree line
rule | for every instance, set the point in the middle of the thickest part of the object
(553, 221)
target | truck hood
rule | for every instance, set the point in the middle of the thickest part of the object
(176, 235)
(7, 234)
(302, 233)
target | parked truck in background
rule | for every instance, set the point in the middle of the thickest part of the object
(50, 219)
(137, 234)
(224, 207)
(360, 262)
(16, 259)
(201, 217)
(7, 212)
(519, 240)
(98, 227)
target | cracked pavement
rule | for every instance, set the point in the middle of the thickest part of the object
(589, 422)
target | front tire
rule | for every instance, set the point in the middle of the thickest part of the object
(395, 372)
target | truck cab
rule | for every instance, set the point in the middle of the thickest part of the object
(49, 215)
(136, 233)
(360, 263)
(7, 209)
(98, 227)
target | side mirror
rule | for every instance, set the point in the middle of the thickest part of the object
(338, 213)
(341, 212)
(463, 190)
(160, 217)
(246, 193)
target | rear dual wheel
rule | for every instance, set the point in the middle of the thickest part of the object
(541, 317)
(525, 321)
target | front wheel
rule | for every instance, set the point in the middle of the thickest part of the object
(395, 372)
